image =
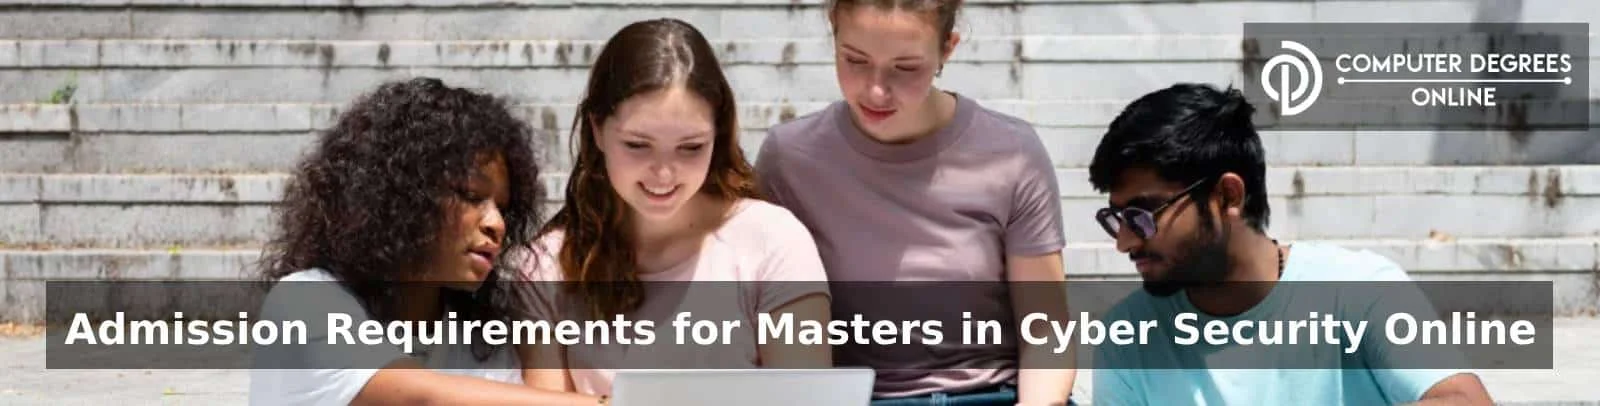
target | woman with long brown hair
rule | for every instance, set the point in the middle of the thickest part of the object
(661, 192)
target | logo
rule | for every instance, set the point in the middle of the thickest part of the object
(1309, 83)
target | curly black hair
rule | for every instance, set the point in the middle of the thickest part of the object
(367, 203)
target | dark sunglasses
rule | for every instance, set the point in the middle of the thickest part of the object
(1143, 222)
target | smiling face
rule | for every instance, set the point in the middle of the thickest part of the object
(1180, 253)
(470, 243)
(885, 61)
(657, 149)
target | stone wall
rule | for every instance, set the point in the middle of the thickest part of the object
(149, 138)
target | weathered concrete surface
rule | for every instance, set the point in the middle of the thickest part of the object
(1572, 265)
(39, 118)
(205, 86)
(557, 53)
(468, 19)
(1553, 183)
(268, 117)
(124, 225)
(1068, 148)
(1577, 367)
(1408, 203)
(1112, 82)
(145, 153)
(29, 383)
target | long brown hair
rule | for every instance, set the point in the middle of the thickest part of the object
(943, 13)
(597, 254)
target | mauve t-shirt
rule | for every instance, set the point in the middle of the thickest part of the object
(947, 207)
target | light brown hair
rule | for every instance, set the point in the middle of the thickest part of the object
(942, 13)
(597, 255)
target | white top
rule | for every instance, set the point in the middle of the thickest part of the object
(334, 374)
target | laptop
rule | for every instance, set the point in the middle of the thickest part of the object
(777, 387)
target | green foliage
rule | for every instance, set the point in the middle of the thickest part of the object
(63, 94)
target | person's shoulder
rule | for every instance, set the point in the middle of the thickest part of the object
(1138, 304)
(1331, 262)
(310, 275)
(766, 242)
(306, 293)
(759, 222)
(541, 259)
(805, 129)
(312, 279)
(762, 218)
(994, 120)
(548, 242)
(1003, 133)
(991, 120)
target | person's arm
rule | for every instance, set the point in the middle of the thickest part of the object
(777, 354)
(1118, 377)
(1447, 380)
(544, 364)
(769, 178)
(407, 382)
(792, 280)
(1459, 389)
(1112, 387)
(1045, 378)
(545, 367)
(1034, 237)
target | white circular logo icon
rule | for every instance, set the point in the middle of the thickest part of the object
(1296, 101)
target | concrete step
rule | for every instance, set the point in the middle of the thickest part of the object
(588, 19)
(188, 53)
(1459, 256)
(565, 85)
(85, 210)
(236, 53)
(269, 117)
(267, 137)
(1571, 264)
(555, 117)
(1112, 82)
(1553, 182)
(122, 152)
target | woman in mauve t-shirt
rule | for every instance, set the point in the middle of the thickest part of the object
(660, 195)
(901, 181)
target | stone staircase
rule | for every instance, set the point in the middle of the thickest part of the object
(148, 139)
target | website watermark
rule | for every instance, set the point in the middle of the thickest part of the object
(1414, 76)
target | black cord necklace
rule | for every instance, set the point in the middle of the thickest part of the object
(1279, 249)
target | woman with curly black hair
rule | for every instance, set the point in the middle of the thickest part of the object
(400, 212)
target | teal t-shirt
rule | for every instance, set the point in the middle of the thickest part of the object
(1187, 375)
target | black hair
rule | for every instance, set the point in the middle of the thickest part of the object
(369, 199)
(1186, 133)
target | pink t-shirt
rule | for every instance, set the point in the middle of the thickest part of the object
(760, 243)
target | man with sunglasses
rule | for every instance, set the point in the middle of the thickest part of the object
(1186, 178)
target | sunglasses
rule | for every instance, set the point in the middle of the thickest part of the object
(1141, 221)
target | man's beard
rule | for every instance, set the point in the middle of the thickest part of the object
(1204, 262)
